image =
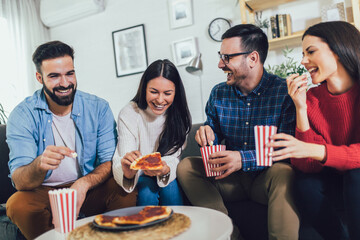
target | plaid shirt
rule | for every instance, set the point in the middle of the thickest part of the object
(233, 116)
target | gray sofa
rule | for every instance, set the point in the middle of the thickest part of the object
(8, 230)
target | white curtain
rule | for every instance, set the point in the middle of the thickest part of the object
(21, 31)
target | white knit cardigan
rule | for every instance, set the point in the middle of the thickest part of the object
(140, 130)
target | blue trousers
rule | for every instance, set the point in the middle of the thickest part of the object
(322, 197)
(149, 193)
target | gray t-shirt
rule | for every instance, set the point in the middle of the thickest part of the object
(63, 128)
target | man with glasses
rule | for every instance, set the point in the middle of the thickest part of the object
(250, 96)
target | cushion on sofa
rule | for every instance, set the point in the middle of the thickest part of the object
(191, 148)
(8, 230)
(6, 189)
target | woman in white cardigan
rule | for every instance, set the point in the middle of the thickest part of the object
(156, 120)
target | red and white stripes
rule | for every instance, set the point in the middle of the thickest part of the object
(262, 137)
(63, 208)
(205, 153)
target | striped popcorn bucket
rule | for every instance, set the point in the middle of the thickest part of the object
(262, 135)
(205, 153)
(63, 208)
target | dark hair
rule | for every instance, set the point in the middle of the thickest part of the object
(343, 39)
(51, 50)
(178, 119)
(252, 39)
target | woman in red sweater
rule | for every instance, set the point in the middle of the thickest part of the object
(326, 150)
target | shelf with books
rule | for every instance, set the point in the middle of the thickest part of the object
(280, 25)
(252, 6)
(291, 40)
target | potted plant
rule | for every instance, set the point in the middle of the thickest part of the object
(289, 66)
(262, 23)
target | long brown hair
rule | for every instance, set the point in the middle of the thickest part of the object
(178, 119)
(343, 39)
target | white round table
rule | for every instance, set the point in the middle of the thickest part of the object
(206, 224)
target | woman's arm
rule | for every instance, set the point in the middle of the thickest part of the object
(127, 143)
(172, 161)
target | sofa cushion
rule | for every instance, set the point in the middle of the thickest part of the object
(8, 230)
(6, 189)
(192, 148)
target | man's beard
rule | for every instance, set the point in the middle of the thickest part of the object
(63, 101)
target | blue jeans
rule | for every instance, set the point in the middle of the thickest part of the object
(149, 193)
(321, 197)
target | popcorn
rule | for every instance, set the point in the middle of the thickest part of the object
(63, 208)
(262, 135)
(205, 153)
(211, 143)
(74, 155)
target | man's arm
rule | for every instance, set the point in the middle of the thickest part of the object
(32, 175)
(100, 174)
(288, 117)
(29, 176)
(230, 162)
(96, 177)
(286, 125)
(210, 132)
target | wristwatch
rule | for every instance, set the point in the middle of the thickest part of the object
(164, 177)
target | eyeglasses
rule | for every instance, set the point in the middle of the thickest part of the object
(226, 57)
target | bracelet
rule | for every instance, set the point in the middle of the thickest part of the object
(163, 177)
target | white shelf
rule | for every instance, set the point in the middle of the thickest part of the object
(258, 5)
(293, 39)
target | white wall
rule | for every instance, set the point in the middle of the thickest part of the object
(91, 38)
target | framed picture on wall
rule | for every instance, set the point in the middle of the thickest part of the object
(130, 50)
(184, 50)
(335, 12)
(180, 13)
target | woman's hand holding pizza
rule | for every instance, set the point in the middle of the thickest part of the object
(126, 162)
(164, 170)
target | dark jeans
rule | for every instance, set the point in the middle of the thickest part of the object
(151, 194)
(322, 197)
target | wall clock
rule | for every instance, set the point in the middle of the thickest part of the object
(217, 27)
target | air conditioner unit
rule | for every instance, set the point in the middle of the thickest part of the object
(57, 12)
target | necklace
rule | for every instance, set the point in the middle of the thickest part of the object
(57, 130)
(73, 154)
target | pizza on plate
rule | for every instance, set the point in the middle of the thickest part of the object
(150, 161)
(105, 221)
(146, 215)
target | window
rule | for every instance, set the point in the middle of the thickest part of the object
(9, 75)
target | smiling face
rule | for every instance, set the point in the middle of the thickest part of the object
(59, 80)
(237, 69)
(319, 60)
(160, 94)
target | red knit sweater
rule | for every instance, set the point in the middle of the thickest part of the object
(334, 122)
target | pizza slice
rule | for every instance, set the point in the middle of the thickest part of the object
(150, 161)
(105, 221)
(146, 215)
